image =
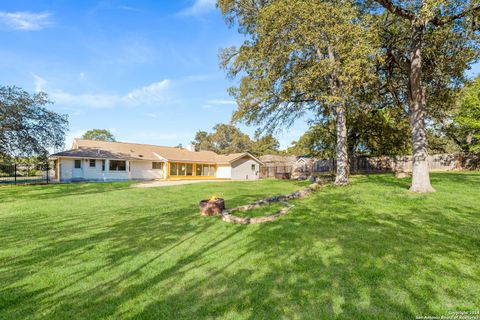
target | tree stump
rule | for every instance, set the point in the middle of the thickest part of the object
(212, 208)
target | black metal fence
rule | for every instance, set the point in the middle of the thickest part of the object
(26, 173)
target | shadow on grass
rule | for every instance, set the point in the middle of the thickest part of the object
(368, 251)
(55, 191)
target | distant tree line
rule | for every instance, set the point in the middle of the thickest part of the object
(99, 135)
(226, 138)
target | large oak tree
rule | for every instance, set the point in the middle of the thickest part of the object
(27, 127)
(431, 42)
(299, 56)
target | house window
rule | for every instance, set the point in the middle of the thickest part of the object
(77, 164)
(118, 165)
(92, 163)
(182, 168)
(103, 165)
(189, 169)
(157, 165)
(253, 167)
(173, 169)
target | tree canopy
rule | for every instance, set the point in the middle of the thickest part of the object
(427, 46)
(224, 139)
(227, 138)
(465, 128)
(27, 127)
(265, 144)
(299, 56)
(99, 135)
(334, 58)
(370, 132)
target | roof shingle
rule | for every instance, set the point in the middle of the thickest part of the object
(135, 151)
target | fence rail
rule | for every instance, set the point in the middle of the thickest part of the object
(271, 171)
(365, 164)
(26, 173)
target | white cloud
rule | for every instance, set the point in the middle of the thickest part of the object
(199, 7)
(23, 20)
(39, 82)
(148, 95)
(223, 102)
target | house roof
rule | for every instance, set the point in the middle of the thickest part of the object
(94, 154)
(134, 151)
(278, 159)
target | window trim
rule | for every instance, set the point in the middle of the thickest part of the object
(116, 167)
(154, 163)
(75, 161)
(211, 168)
(94, 163)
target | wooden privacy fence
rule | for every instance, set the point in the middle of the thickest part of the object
(364, 164)
(437, 162)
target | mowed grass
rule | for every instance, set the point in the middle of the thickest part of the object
(368, 251)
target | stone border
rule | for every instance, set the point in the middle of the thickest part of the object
(228, 217)
(283, 199)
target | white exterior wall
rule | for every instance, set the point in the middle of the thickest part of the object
(224, 172)
(66, 166)
(143, 170)
(242, 169)
(90, 173)
(93, 173)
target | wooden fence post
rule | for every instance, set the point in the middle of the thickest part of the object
(15, 172)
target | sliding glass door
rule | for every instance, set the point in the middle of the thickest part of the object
(184, 169)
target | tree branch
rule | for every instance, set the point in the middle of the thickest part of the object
(403, 62)
(440, 21)
(388, 4)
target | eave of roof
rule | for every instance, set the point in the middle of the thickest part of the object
(93, 154)
(134, 151)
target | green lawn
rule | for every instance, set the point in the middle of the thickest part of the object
(367, 251)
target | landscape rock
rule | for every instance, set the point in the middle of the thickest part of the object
(227, 215)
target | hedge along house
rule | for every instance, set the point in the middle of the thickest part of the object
(112, 161)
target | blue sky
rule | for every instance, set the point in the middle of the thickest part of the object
(146, 70)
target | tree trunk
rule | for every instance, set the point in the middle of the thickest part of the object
(469, 139)
(340, 112)
(341, 178)
(420, 174)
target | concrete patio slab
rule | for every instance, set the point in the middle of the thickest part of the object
(168, 183)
